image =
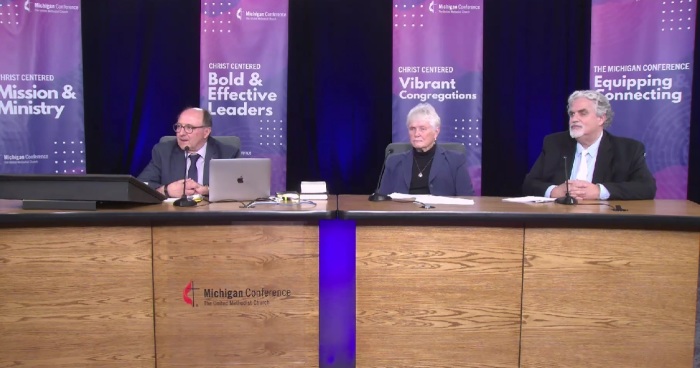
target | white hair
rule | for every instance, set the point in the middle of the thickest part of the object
(427, 110)
(602, 104)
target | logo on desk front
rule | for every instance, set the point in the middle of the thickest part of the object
(189, 289)
(233, 297)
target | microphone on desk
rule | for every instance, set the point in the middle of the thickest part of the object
(566, 199)
(183, 201)
(376, 197)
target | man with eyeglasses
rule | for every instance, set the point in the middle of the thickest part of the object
(599, 164)
(190, 152)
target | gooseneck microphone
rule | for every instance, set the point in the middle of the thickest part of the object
(376, 196)
(183, 201)
(566, 199)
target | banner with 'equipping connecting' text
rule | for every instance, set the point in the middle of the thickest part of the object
(642, 60)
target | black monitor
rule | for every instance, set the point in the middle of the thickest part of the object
(75, 192)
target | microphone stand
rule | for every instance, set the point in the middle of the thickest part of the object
(567, 199)
(184, 201)
(376, 196)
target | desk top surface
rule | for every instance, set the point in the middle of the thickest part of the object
(653, 213)
(490, 211)
(11, 213)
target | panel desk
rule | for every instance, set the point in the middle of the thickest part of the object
(501, 284)
(206, 286)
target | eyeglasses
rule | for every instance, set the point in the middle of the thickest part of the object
(188, 128)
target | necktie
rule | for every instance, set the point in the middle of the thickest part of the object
(583, 166)
(192, 172)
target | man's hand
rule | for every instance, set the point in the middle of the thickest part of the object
(581, 189)
(201, 189)
(174, 189)
(559, 191)
(191, 187)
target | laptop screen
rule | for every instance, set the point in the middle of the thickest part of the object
(239, 179)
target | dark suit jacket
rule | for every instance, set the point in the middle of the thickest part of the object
(448, 174)
(620, 167)
(168, 162)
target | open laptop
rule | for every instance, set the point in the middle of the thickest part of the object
(239, 179)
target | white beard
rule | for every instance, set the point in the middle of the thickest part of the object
(575, 133)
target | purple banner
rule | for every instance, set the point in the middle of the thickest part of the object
(438, 58)
(243, 79)
(41, 88)
(642, 60)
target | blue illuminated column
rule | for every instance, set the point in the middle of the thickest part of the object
(336, 294)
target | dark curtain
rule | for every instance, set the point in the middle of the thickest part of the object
(535, 54)
(141, 66)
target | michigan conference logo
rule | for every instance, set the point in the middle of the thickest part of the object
(50, 7)
(442, 8)
(220, 12)
(224, 296)
(260, 15)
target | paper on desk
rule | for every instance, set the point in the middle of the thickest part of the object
(529, 199)
(431, 199)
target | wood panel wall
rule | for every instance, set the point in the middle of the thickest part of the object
(76, 297)
(272, 331)
(609, 298)
(427, 296)
(438, 296)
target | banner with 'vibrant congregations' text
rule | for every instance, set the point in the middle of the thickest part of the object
(438, 58)
(243, 79)
(41, 88)
(642, 60)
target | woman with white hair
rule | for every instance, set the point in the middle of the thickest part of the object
(428, 168)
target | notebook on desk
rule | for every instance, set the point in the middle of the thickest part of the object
(239, 179)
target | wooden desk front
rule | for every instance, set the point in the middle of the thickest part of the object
(504, 284)
(108, 288)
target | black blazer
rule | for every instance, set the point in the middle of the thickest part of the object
(168, 162)
(448, 174)
(620, 166)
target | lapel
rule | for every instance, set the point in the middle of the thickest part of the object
(408, 168)
(212, 152)
(439, 164)
(603, 162)
(177, 162)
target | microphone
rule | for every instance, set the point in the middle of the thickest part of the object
(567, 199)
(377, 197)
(183, 201)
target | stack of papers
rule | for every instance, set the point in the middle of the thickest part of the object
(529, 199)
(313, 190)
(430, 199)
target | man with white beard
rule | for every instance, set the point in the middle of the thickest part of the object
(600, 165)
